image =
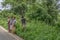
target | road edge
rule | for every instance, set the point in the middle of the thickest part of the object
(13, 35)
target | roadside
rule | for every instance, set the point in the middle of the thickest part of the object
(10, 34)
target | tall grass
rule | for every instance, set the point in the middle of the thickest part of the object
(38, 31)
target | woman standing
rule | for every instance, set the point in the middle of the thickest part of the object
(23, 20)
(13, 24)
(9, 24)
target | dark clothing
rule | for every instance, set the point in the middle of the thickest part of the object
(23, 21)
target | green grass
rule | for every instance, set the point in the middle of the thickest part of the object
(39, 31)
(3, 22)
(35, 30)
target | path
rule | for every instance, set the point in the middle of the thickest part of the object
(5, 35)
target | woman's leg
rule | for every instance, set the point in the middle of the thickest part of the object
(13, 29)
(8, 27)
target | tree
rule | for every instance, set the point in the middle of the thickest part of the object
(44, 10)
(18, 6)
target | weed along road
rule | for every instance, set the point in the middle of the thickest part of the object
(5, 36)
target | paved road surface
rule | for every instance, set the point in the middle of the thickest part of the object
(5, 36)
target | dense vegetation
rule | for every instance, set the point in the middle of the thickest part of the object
(44, 10)
(41, 15)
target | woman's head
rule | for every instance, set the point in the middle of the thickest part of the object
(8, 17)
(22, 16)
(13, 17)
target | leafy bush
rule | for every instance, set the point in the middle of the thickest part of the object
(36, 30)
